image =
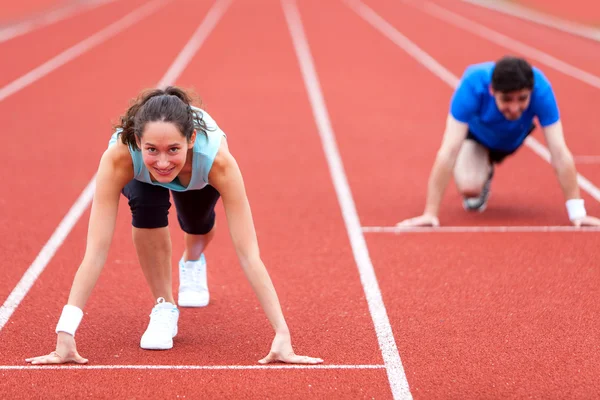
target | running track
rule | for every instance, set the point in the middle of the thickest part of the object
(334, 110)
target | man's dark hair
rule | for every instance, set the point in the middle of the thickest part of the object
(512, 74)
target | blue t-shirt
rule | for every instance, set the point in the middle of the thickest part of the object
(472, 103)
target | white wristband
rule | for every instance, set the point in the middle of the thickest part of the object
(69, 319)
(576, 209)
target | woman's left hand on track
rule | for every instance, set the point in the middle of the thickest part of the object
(282, 351)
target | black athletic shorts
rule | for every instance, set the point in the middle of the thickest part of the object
(150, 205)
(497, 156)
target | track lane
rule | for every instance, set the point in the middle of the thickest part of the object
(495, 315)
(475, 315)
(248, 76)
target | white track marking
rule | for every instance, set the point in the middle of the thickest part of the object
(587, 159)
(186, 367)
(477, 229)
(448, 77)
(48, 18)
(80, 48)
(69, 221)
(528, 14)
(383, 329)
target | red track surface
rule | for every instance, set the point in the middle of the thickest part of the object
(505, 315)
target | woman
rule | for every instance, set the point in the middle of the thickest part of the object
(164, 145)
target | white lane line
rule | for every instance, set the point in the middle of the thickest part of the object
(528, 14)
(383, 329)
(69, 221)
(184, 367)
(48, 18)
(477, 229)
(80, 48)
(587, 159)
(448, 77)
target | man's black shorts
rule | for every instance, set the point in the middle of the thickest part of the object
(497, 156)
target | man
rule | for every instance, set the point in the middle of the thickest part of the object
(491, 114)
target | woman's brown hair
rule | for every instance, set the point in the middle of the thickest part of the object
(171, 104)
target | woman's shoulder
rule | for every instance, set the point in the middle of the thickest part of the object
(119, 155)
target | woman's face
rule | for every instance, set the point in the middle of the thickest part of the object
(164, 150)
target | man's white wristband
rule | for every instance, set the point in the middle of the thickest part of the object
(69, 319)
(576, 209)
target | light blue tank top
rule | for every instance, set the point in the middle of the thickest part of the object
(204, 152)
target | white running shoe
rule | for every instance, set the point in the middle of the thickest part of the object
(162, 328)
(193, 287)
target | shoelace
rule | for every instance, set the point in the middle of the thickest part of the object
(192, 278)
(161, 318)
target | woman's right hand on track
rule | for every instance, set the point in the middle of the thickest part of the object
(422, 220)
(66, 351)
